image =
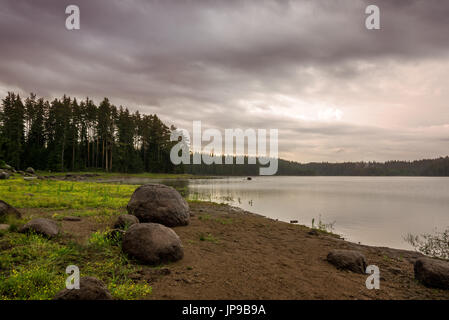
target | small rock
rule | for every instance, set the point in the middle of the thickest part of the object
(432, 272)
(4, 227)
(30, 170)
(125, 220)
(90, 289)
(7, 210)
(41, 226)
(348, 260)
(152, 243)
(71, 218)
(4, 175)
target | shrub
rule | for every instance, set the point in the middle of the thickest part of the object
(434, 245)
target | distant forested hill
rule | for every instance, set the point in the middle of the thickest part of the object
(431, 167)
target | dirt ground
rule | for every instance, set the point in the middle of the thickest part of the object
(232, 254)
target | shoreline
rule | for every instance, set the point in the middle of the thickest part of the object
(229, 253)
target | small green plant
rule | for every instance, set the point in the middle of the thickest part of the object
(205, 217)
(35, 282)
(129, 290)
(105, 239)
(208, 237)
(433, 245)
(324, 227)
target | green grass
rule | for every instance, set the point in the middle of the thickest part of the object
(208, 237)
(33, 267)
(64, 194)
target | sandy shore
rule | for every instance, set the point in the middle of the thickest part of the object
(233, 254)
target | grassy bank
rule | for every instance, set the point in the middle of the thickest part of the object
(33, 267)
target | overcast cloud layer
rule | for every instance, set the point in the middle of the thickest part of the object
(335, 90)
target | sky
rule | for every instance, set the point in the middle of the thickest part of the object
(335, 90)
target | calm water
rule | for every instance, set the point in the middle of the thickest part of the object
(371, 210)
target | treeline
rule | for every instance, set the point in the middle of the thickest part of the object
(70, 135)
(66, 134)
(431, 167)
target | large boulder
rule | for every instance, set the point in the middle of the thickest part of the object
(125, 220)
(348, 260)
(7, 210)
(45, 227)
(159, 204)
(152, 243)
(90, 289)
(432, 272)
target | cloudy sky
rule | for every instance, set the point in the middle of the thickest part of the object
(335, 90)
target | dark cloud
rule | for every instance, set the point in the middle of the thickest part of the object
(218, 61)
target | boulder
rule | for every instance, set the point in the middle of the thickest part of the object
(90, 289)
(159, 204)
(432, 272)
(7, 210)
(4, 175)
(42, 226)
(348, 260)
(4, 227)
(152, 243)
(30, 170)
(125, 220)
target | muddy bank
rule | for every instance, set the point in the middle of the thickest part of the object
(232, 254)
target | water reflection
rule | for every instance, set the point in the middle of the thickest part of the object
(370, 210)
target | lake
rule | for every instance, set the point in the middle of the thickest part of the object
(371, 210)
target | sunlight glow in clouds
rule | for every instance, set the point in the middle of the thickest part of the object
(335, 91)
